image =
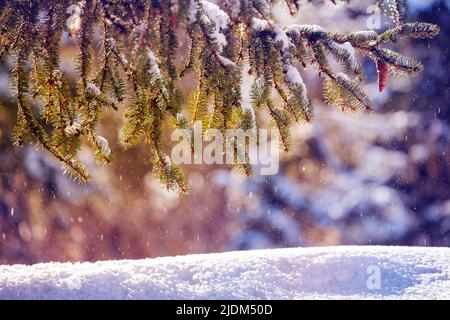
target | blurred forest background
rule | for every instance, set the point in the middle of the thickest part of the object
(382, 178)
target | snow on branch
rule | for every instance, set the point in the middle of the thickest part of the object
(136, 67)
(215, 22)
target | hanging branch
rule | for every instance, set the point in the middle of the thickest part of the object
(136, 68)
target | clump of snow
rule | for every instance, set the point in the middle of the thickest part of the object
(294, 79)
(281, 37)
(218, 16)
(217, 20)
(226, 62)
(220, 21)
(74, 127)
(113, 45)
(211, 14)
(154, 68)
(293, 76)
(307, 29)
(346, 50)
(366, 34)
(93, 90)
(104, 146)
(73, 22)
(259, 24)
(315, 273)
(351, 54)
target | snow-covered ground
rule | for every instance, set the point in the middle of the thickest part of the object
(299, 273)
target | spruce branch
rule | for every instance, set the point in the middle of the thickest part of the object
(136, 69)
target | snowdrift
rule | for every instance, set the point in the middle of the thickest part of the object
(297, 273)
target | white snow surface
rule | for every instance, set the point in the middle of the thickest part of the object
(295, 273)
(293, 76)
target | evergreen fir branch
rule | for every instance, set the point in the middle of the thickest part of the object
(214, 24)
(52, 32)
(138, 118)
(116, 82)
(344, 93)
(244, 122)
(180, 122)
(198, 106)
(87, 21)
(169, 174)
(358, 39)
(419, 30)
(281, 122)
(195, 49)
(108, 77)
(168, 41)
(137, 67)
(247, 123)
(260, 93)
